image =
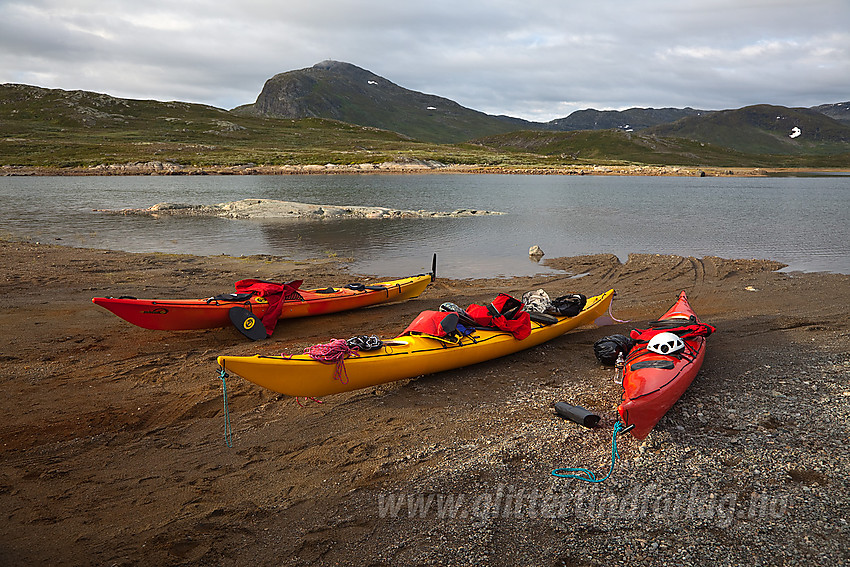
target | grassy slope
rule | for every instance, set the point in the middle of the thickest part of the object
(50, 128)
(763, 129)
(646, 149)
(56, 128)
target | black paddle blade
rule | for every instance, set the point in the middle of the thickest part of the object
(542, 318)
(577, 414)
(434, 267)
(247, 324)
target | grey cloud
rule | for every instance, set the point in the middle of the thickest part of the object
(536, 59)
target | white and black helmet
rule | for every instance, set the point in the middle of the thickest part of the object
(666, 343)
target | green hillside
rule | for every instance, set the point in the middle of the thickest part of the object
(55, 128)
(642, 148)
(52, 127)
(763, 129)
(628, 120)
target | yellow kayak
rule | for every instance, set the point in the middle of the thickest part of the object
(405, 356)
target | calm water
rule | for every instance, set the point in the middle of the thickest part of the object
(803, 222)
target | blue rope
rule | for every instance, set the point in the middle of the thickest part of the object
(228, 439)
(587, 475)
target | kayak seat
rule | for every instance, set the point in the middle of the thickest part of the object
(662, 364)
(674, 323)
(363, 287)
(239, 297)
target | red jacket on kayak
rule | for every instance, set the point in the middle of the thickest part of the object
(505, 313)
(274, 293)
(685, 332)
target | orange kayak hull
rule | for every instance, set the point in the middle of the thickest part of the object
(189, 314)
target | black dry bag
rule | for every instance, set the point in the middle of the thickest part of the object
(568, 305)
(607, 349)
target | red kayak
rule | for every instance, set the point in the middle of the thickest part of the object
(184, 314)
(661, 366)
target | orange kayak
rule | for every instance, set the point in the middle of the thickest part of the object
(185, 314)
(652, 381)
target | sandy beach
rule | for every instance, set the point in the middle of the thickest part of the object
(114, 450)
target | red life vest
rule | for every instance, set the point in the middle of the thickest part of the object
(684, 332)
(435, 324)
(504, 313)
(275, 294)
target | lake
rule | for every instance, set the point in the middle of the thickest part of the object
(801, 221)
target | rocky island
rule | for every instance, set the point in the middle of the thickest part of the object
(272, 209)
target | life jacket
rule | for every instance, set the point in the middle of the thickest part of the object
(504, 313)
(274, 293)
(440, 325)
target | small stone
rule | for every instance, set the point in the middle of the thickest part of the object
(535, 252)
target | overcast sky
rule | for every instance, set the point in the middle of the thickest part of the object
(532, 59)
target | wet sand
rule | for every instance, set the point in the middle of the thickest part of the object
(113, 447)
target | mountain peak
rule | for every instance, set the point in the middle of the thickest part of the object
(331, 65)
(342, 91)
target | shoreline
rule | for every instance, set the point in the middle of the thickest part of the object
(607, 259)
(412, 167)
